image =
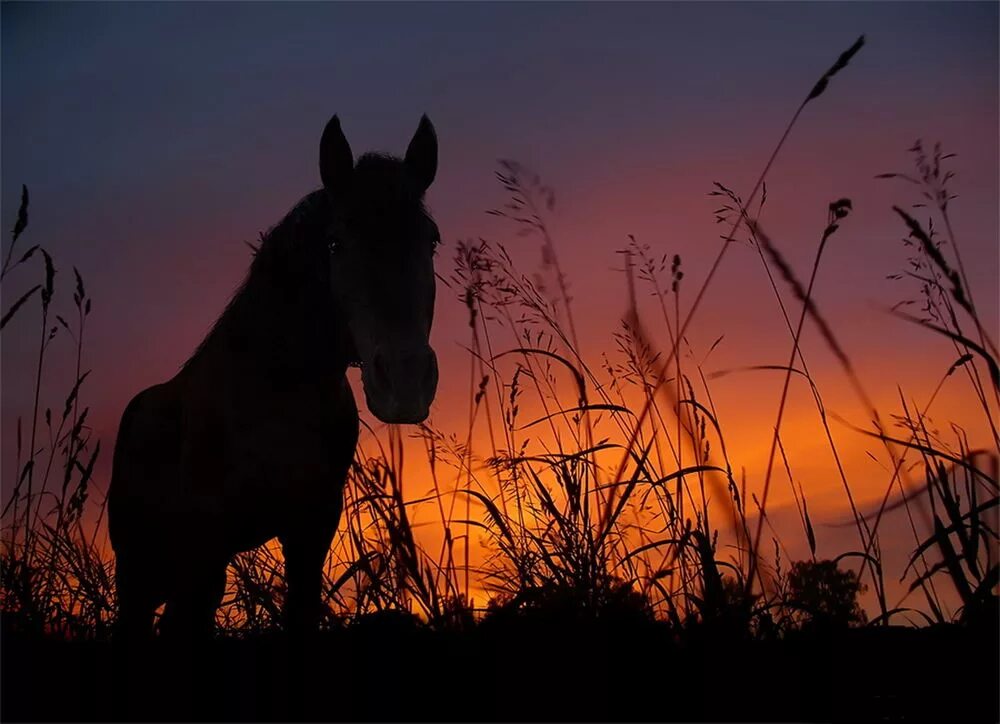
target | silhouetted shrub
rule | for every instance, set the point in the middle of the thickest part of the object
(821, 595)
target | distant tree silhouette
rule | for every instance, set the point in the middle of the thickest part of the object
(822, 596)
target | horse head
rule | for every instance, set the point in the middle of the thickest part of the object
(381, 250)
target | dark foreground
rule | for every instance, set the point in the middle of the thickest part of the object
(394, 671)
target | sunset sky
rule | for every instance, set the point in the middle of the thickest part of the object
(156, 138)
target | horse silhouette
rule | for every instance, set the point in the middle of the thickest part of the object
(253, 438)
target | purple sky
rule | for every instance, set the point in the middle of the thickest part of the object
(156, 138)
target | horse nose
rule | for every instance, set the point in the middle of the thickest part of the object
(418, 366)
(400, 384)
(382, 375)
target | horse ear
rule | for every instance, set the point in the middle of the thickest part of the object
(422, 154)
(336, 162)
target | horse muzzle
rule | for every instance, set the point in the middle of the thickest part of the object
(400, 384)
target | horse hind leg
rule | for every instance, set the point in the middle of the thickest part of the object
(139, 592)
(188, 663)
(138, 595)
(196, 593)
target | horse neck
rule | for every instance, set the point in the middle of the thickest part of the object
(282, 322)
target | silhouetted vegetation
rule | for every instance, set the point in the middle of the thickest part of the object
(823, 596)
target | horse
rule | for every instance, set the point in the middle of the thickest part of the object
(253, 438)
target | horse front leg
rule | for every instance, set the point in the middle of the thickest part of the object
(305, 551)
(305, 548)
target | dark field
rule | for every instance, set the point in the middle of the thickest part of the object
(529, 670)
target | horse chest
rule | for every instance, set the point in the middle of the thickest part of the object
(265, 454)
(282, 430)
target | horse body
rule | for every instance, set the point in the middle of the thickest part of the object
(253, 438)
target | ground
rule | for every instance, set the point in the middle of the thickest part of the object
(514, 671)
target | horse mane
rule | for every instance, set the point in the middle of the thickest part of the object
(274, 247)
(380, 179)
(379, 186)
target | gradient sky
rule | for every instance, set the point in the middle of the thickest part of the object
(156, 138)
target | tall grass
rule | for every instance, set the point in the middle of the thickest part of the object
(581, 487)
(56, 572)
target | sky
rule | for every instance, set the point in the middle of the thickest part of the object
(156, 139)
